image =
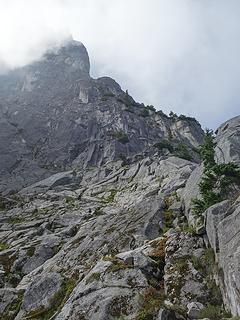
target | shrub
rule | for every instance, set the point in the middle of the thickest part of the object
(164, 144)
(217, 178)
(182, 151)
(150, 107)
(2, 205)
(144, 113)
(213, 312)
(3, 246)
(151, 300)
(121, 137)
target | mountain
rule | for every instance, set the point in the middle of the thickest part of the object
(96, 213)
(55, 117)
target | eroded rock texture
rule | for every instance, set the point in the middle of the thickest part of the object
(96, 217)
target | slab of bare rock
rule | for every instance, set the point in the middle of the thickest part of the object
(228, 142)
(8, 296)
(109, 291)
(229, 258)
(214, 215)
(58, 179)
(40, 293)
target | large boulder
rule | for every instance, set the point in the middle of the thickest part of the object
(228, 141)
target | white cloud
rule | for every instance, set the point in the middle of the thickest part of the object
(179, 55)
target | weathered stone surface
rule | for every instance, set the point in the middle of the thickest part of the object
(40, 293)
(194, 309)
(214, 215)
(191, 191)
(229, 258)
(228, 141)
(78, 122)
(100, 223)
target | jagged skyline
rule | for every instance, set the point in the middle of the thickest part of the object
(180, 57)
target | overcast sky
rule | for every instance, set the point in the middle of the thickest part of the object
(180, 55)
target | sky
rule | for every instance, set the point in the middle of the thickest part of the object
(179, 55)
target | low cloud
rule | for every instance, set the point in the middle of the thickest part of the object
(177, 55)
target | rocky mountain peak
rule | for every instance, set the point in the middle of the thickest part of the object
(96, 202)
(70, 54)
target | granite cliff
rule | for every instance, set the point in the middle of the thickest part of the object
(96, 214)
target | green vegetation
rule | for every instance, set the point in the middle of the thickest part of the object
(183, 117)
(111, 197)
(3, 246)
(98, 212)
(2, 205)
(213, 312)
(182, 151)
(144, 113)
(109, 94)
(93, 277)
(121, 137)
(151, 108)
(151, 300)
(217, 179)
(118, 265)
(15, 220)
(209, 256)
(30, 251)
(164, 144)
(175, 117)
(13, 308)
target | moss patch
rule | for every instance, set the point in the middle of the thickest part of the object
(3, 246)
(93, 277)
(151, 300)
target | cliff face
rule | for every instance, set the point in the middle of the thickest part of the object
(55, 117)
(96, 216)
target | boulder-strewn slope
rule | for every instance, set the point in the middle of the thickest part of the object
(100, 224)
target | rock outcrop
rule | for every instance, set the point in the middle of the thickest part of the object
(55, 117)
(96, 218)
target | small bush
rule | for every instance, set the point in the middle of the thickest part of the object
(164, 144)
(3, 246)
(152, 108)
(151, 300)
(182, 151)
(144, 113)
(212, 312)
(2, 205)
(121, 137)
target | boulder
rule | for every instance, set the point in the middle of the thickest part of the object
(194, 309)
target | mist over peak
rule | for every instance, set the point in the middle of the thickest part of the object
(175, 56)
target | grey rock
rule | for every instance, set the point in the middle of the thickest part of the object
(104, 294)
(40, 293)
(94, 189)
(194, 309)
(58, 179)
(165, 314)
(229, 258)
(228, 142)
(214, 215)
(191, 191)
(7, 297)
(80, 122)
